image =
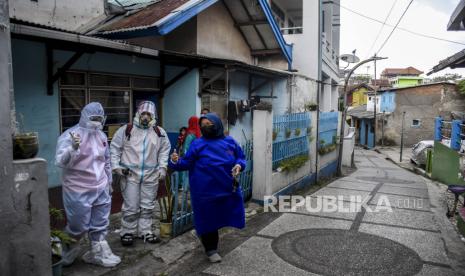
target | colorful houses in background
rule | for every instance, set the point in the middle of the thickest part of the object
(402, 77)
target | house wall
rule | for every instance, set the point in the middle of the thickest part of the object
(181, 101)
(63, 14)
(239, 90)
(407, 82)
(388, 103)
(218, 37)
(303, 91)
(184, 38)
(359, 97)
(366, 133)
(423, 103)
(36, 111)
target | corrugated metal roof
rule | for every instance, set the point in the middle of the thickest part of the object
(144, 18)
(401, 71)
(126, 3)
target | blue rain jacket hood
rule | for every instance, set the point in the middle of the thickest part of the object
(218, 125)
(209, 162)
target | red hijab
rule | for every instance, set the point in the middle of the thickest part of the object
(193, 126)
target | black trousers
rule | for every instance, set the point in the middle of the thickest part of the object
(210, 241)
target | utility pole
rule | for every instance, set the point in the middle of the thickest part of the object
(344, 112)
(382, 129)
(402, 137)
(376, 99)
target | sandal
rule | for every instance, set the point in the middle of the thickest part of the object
(150, 238)
(127, 239)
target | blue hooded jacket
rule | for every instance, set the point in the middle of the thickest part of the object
(210, 162)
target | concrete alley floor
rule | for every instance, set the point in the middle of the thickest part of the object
(414, 239)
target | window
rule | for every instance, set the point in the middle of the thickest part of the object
(113, 91)
(416, 123)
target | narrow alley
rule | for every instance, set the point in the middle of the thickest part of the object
(414, 239)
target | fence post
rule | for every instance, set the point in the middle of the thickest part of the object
(262, 154)
(455, 137)
(437, 129)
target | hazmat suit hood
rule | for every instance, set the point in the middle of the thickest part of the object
(146, 106)
(218, 125)
(90, 110)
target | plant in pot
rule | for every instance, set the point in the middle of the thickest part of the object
(58, 239)
(165, 200)
(310, 106)
(297, 132)
(25, 144)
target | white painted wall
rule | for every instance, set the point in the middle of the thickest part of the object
(348, 149)
(262, 154)
(68, 15)
(305, 51)
(218, 37)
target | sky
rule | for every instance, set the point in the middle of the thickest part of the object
(403, 49)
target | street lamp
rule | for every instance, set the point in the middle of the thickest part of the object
(344, 112)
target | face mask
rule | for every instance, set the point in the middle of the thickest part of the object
(208, 131)
(94, 125)
(145, 120)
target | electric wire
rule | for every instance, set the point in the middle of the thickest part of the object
(382, 26)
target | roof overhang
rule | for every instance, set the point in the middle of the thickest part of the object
(79, 39)
(457, 20)
(254, 20)
(455, 61)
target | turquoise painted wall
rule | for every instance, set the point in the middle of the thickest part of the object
(281, 103)
(39, 111)
(365, 126)
(34, 109)
(388, 101)
(180, 101)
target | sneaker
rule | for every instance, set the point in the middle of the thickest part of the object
(214, 257)
(100, 254)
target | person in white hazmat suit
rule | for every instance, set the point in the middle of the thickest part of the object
(84, 156)
(139, 155)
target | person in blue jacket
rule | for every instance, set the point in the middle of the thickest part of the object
(214, 161)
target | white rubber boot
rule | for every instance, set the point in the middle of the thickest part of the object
(100, 254)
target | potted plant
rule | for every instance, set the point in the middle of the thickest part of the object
(297, 132)
(275, 134)
(311, 106)
(25, 145)
(58, 239)
(165, 199)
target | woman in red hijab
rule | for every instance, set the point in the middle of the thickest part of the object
(193, 132)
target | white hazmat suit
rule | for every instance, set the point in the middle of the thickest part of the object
(143, 154)
(86, 176)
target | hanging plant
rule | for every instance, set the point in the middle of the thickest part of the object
(309, 130)
(297, 132)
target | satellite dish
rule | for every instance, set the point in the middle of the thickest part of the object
(350, 58)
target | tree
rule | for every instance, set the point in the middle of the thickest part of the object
(447, 77)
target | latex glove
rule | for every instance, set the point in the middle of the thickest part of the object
(174, 157)
(162, 173)
(236, 170)
(75, 140)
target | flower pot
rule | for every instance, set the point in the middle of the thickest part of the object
(57, 265)
(25, 145)
(166, 229)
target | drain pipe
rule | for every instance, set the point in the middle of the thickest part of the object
(319, 82)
